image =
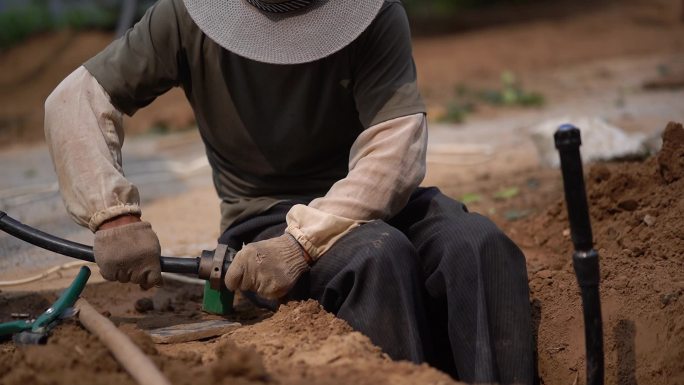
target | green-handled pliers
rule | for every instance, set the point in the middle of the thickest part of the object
(40, 327)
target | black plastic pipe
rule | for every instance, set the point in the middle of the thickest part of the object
(585, 259)
(80, 251)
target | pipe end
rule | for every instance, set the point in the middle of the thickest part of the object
(566, 136)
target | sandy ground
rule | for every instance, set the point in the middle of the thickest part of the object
(596, 64)
(636, 212)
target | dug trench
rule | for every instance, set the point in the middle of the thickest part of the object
(637, 212)
(636, 209)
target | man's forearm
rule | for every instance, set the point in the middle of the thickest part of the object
(387, 163)
(84, 133)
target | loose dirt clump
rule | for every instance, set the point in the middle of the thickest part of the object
(71, 356)
(304, 344)
(233, 361)
(636, 211)
(671, 157)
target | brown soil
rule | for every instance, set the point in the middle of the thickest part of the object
(535, 50)
(637, 211)
(73, 356)
(30, 71)
(303, 344)
(300, 344)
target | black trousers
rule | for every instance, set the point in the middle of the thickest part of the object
(435, 283)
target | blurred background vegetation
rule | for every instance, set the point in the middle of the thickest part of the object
(440, 16)
(22, 18)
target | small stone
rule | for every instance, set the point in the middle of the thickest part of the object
(649, 220)
(611, 233)
(545, 274)
(143, 305)
(620, 282)
(638, 250)
(167, 305)
(536, 285)
(628, 205)
(666, 299)
(599, 173)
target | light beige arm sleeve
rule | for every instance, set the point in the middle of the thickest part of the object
(84, 133)
(386, 164)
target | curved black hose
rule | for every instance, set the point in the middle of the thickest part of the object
(80, 251)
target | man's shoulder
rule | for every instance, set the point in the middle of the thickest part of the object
(172, 11)
(390, 22)
(390, 12)
(390, 4)
(175, 11)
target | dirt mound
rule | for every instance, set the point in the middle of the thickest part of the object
(299, 344)
(671, 157)
(304, 344)
(71, 356)
(637, 211)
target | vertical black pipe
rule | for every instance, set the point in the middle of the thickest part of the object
(568, 142)
(585, 259)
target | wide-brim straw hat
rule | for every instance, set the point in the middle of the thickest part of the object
(283, 31)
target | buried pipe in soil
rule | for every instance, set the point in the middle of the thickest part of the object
(136, 363)
(585, 259)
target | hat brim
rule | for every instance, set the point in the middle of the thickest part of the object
(322, 29)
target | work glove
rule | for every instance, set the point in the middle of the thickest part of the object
(270, 267)
(129, 253)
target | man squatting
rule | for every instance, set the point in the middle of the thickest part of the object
(316, 135)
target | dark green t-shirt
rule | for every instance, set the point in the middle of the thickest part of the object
(272, 132)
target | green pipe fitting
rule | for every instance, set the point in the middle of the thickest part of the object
(217, 301)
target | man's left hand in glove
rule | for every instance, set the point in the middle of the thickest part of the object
(270, 267)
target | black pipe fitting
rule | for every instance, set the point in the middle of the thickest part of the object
(585, 260)
(586, 266)
(568, 141)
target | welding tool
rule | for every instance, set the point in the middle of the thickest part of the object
(32, 332)
(585, 259)
(211, 265)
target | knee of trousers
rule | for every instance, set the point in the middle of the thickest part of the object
(385, 250)
(478, 236)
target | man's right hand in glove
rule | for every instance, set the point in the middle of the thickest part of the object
(127, 250)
